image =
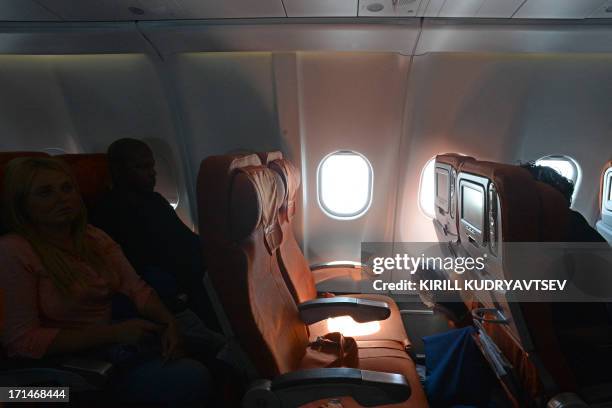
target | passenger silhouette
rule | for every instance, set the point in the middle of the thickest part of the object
(157, 243)
(578, 229)
(59, 274)
(584, 329)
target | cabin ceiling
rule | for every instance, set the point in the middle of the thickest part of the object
(129, 10)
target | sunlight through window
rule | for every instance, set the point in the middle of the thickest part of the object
(563, 165)
(426, 188)
(349, 327)
(345, 185)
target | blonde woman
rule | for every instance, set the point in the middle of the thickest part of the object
(58, 274)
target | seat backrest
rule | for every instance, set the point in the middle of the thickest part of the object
(294, 265)
(92, 175)
(447, 166)
(6, 157)
(500, 204)
(238, 203)
(604, 225)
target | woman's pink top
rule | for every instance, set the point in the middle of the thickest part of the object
(35, 310)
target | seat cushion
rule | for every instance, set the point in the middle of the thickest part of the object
(391, 328)
(384, 356)
(337, 279)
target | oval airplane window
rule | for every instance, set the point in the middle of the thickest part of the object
(426, 189)
(564, 165)
(344, 185)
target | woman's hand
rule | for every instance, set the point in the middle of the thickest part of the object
(171, 341)
(133, 331)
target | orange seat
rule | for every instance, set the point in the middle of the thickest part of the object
(239, 202)
(517, 209)
(298, 275)
(92, 175)
(447, 167)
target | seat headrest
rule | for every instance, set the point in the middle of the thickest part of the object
(291, 178)
(257, 193)
(453, 159)
(528, 208)
(92, 175)
(518, 198)
(213, 194)
(268, 157)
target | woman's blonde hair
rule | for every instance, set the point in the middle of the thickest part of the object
(18, 178)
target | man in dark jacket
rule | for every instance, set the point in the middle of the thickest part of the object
(584, 330)
(579, 229)
(159, 245)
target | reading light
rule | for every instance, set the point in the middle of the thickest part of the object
(375, 7)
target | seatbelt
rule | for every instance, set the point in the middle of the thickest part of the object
(232, 353)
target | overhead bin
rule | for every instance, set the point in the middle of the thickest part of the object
(71, 38)
(514, 36)
(272, 35)
(115, 10)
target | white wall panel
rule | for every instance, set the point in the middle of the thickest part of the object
(227, 102)
(507, 108)
(83, 103)
(468, 104)
(569, 111)
(350, 102)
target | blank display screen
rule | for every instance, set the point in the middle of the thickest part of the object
(472, 206)
(442, 184)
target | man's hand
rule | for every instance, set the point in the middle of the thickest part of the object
(133, 331)
(171, 342)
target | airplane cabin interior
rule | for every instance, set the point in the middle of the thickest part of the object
(306, 203)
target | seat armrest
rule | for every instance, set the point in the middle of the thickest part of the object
(95, 372)
(78, 374)
(326, 265)
(367, 388)
(566, 400)
(361, 310)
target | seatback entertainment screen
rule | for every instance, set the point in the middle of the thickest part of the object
(472, 206)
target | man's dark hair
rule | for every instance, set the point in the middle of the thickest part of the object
(551, 177)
